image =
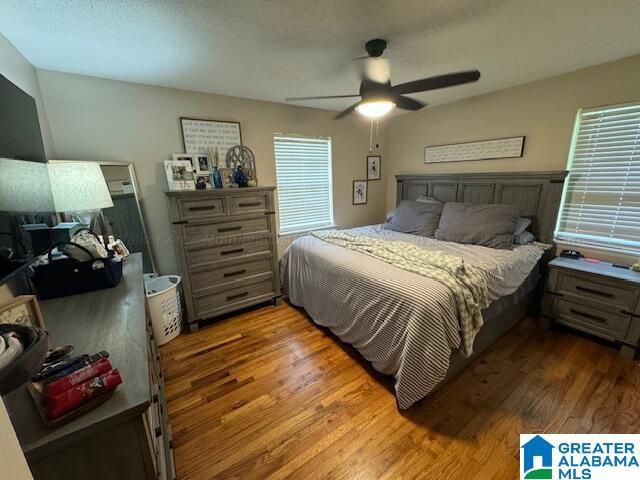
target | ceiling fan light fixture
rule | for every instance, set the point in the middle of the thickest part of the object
(375, 108)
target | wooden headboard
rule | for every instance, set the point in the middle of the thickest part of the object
(538, 194)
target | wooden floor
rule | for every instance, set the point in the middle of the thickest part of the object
(267, 394)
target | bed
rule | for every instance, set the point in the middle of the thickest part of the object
(405, 324)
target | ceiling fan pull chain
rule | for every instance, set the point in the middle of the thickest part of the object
(371, 138)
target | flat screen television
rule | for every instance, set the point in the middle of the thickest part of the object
(20, 139)
(20, 135)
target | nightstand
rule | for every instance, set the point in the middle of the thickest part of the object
(596, 298)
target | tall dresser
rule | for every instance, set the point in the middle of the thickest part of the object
(226, 248)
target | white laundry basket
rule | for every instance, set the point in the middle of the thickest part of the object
(165, 308)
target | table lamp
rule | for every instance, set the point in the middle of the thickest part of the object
(52, 187)
(25, 188)
(77, 186)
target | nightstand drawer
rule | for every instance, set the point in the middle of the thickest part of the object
(598, 290)
(597, 320)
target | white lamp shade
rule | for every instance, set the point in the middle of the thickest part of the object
(25, 186)
(78, 186)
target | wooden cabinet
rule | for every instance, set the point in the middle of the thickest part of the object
(128, 437)
(226, 248)
(596, 298)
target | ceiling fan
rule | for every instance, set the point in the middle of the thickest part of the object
(378, 96)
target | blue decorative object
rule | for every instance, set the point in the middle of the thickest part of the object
(239, 177)
(216, 179)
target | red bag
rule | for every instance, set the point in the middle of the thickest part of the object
(76, 378)
(57, 405)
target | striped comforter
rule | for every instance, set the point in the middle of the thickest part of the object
(404, 323)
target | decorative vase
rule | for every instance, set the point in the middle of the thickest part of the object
(239, 177)
(216, 179)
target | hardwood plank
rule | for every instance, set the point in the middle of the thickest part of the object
(267, 394)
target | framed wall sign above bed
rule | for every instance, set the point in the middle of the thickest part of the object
(512, 147)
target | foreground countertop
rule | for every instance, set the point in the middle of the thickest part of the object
(113, 320)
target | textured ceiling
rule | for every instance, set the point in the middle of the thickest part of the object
(272, 49)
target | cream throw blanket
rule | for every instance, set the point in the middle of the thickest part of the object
(467, 283)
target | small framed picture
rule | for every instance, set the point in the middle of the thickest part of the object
(22, 310)
(184, 157)
(374, 163)
(201, 164)
(227, 177)
(359, 192)
(179, 174)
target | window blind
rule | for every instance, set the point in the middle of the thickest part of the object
(303, 172)
(601, 203)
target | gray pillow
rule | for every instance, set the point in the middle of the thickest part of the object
(521, 225)
(418, 218)
(524, 238)
(486, 225)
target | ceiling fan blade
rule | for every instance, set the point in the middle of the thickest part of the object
(433, 83)
(294, 99)
(407, 103)
(346, 112)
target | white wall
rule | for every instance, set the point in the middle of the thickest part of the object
(97, 119)
(18, 70)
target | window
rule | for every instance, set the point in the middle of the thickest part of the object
(601, 204)
(303, 172)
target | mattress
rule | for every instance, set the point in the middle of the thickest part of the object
(405, 324)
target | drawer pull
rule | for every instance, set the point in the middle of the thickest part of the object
(594, 292)
(154, 399)
(588, 315)
(230, 252)
(158, 432)
(249, 204)
(229, 229)
(233, 274)
(203, 207)
(238, 295)
(180, 222)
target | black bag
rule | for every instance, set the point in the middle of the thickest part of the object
(67, 276)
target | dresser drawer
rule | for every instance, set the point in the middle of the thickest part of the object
(213, 303)
(202, 256)
(593, 318)
(257, 202)
(193, 208)
(592, 288)
(207, 231)
(212, 277)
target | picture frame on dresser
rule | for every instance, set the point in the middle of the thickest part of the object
(179, 174)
